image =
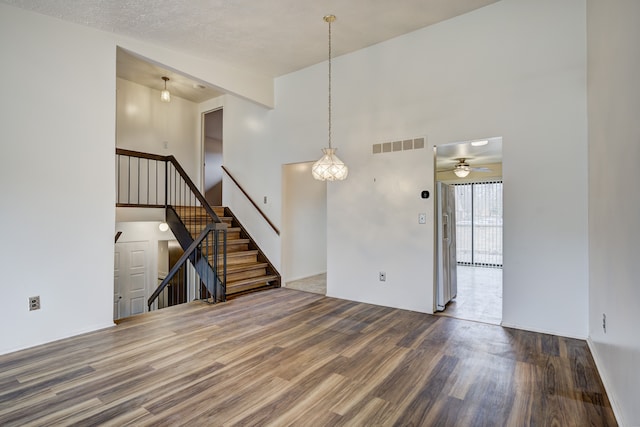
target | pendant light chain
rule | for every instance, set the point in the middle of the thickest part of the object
(330, 19)
(329, 167)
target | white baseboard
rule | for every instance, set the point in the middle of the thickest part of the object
(606, 382)
(542, 331)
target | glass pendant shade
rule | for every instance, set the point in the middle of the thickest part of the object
(461, 171)
(329, 167)
(165, 96)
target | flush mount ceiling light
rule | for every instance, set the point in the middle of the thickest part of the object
(480, 143)
(165, 96)
(329, 167)
(163, 226)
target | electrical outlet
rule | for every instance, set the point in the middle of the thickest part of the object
(383, 276)
(422, 218)
(34, 303)
(604, 323)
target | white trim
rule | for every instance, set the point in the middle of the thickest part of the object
(542, 331)
(605, 382)
(71, 334)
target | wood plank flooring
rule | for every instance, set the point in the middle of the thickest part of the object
(286, 357)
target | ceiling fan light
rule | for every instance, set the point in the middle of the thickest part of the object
(461, 171)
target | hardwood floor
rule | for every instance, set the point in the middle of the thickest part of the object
(285, 357)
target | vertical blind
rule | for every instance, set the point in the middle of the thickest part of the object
(479, 224)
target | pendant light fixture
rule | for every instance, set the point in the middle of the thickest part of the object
(329, 167)
(165, 96)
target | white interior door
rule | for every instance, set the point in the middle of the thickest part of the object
(130, 278)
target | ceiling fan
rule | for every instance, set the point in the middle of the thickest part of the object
(462, 168)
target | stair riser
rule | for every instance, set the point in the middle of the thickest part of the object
(200, 225)
(241, 275)
(235, 260)
(230, 236)
(231, 290)
(197, 210)
(232, 246)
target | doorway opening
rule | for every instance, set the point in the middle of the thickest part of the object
(475, 230)
(304, 230)
(212, 134)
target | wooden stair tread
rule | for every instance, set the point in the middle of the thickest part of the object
(240, 254)
(247, 266)
(233, 241)
(247, 284)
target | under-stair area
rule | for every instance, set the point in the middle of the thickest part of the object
(248, 269)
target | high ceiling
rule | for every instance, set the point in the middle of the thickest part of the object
(275, 37)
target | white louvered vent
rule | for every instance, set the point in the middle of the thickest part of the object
(399, 145)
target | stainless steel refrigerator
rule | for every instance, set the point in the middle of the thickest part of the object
(446, 265)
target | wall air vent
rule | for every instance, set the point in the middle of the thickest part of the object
(400, 145)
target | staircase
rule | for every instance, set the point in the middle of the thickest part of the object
(145, 180)
(248, 269)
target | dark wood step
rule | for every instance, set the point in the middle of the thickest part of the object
(234, 258)
(198, 213)
(201, 221)
(243, 286)
(245, 271)
(233, 245)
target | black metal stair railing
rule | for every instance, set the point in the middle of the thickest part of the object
(206, 250)
(155, 181)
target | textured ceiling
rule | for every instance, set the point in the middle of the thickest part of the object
(275, 37)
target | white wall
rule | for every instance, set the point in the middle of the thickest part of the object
(251, 157)
(56, 177)
(516, 68)
(144, 123)
(304, 223)
(614, 200)
(57, 168)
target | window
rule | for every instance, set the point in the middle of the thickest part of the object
(479, 224)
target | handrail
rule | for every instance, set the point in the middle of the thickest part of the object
(132, 153)
(194, 189)
(183, 174)
(251, 200)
